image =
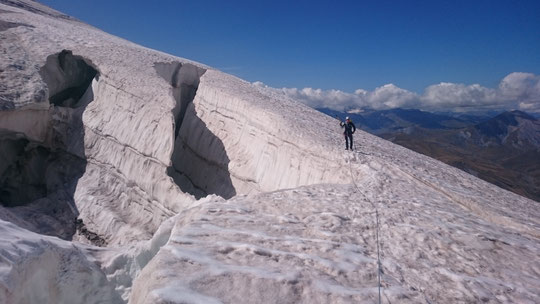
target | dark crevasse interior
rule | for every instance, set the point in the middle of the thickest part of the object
(184, 80)
(199, 160)
(38, 179)
(24, 171)
(67, 77)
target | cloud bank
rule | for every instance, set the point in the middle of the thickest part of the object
(516, 91)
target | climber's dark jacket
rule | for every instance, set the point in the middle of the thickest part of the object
(349, 126)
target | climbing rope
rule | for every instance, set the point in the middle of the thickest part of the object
(377, 226)
(379, 265)
(378, 255)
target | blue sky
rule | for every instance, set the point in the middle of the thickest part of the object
(330, 45)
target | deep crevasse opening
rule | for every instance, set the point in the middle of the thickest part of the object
(38, 176)
(199, 159)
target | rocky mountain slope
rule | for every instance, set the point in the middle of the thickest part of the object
(132, 176)
(503, 150)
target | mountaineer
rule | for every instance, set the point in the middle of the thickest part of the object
(350, 128)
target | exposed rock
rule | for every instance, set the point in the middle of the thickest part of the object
(90, 236)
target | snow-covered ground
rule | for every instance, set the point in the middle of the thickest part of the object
(109, 146)
(40, 269)
(318, 244)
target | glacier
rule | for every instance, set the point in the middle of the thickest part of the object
(128, 175)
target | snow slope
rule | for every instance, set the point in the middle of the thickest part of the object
(40, 269)
(317, 244)
(107, 143)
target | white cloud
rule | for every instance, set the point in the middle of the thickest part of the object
(453, 95)
(515, 91)
(390, 96)
(523, 88)
(385, 97)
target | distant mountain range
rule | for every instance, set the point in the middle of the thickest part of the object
(400, 120)
(503, 149)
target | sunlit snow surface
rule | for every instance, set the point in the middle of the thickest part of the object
(317, 244)
(302, 228)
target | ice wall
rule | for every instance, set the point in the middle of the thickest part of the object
(159, 131)
(201, 168)
(126, 192)
(271, 142)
